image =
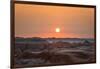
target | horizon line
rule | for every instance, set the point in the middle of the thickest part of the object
(57, 37)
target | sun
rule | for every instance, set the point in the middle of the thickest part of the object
(57, 30)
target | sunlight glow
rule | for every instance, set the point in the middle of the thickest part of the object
(57, 30)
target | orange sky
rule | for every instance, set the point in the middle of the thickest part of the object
(41, 21)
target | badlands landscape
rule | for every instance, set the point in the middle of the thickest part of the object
(53, 51)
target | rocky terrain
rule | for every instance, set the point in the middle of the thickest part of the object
(55, 53)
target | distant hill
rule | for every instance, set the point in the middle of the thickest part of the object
(33, 39)
(38, 39)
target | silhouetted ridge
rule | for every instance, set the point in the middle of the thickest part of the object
(33, 39)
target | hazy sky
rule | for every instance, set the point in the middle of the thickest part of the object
(42, 21)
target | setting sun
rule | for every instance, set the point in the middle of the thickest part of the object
(57, 30)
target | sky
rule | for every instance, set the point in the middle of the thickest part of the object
(43, 21)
